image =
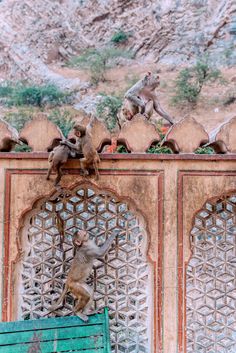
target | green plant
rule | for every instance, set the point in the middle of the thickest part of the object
(37, 96)
(22, 148)
(6, 89)
(19, 118)
(204, 150)
(157, 148)
(97, 61)
(20, 94)
(190, 82)
(63, 119)
(121, 149)
(107, 110)
(119, 37)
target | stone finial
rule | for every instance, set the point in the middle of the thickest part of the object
(186, 136)
(226, 135)
(40, 133)
(7, 134)
(99, 132)
(138, 134)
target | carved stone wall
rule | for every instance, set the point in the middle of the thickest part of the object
(211, 279)
(122, 281)
(144, 287)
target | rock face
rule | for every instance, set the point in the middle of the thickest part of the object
(35, 33)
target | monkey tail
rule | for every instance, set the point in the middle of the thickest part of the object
(95, 165)
(50, 157)
(62, 296)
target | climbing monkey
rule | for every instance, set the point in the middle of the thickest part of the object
(142, 98)
(86, 251)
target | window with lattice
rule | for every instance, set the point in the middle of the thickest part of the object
(211, 279)
(122, 280)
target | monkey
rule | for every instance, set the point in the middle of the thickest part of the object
(55, 143)
(57, 158)
(141, 98)
(8, 143)
(91, 157)
(60, 224)
(86, 251)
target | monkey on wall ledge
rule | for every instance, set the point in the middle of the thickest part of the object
(8, 144)
(90, 155)
(60, 154)
(86, 251)
(142, 98)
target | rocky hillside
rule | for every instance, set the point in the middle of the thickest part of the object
(37, 33)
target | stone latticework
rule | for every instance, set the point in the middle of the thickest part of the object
(122, 280)
(211, 279)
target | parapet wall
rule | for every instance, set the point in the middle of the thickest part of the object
(137, 135)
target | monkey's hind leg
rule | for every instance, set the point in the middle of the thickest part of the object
(95, 165)
(83, 296)
(83, 165)
(148, 109)
(59, 174)
(49, 171)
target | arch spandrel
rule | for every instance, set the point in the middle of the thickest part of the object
(122, 281)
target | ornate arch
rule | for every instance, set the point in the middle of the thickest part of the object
(211, 278)
(122, 281)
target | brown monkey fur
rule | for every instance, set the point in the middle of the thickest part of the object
(86, 251)
(142, 98)
(57, 158)
(91, 157)
(8, 144)
(60, 224)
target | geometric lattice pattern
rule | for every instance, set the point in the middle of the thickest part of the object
(211, 279)
(122, 280)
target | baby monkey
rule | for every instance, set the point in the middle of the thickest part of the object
(86, 251)
(57, 158)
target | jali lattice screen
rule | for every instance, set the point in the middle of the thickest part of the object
(211, 279)
(122, 281)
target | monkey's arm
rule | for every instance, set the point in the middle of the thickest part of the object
(133, 92)
(101, 251)
(161, 112)
(73, 146)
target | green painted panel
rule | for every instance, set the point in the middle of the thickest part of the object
(55, 335)
(47, 335)
(100, 350)
(49, 323)
(107, 343)
(56, 346)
